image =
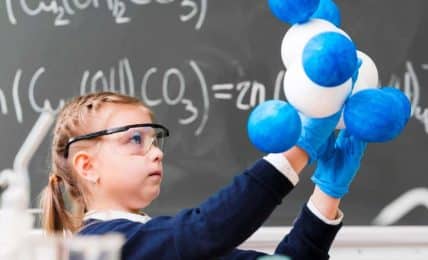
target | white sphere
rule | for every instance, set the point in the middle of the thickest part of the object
(298, 35)
(368, 77)
(310, 98)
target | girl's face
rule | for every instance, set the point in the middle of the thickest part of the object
(130, 172)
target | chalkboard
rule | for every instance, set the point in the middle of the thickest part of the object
(202, 66)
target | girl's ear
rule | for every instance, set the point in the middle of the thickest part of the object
(83, 164)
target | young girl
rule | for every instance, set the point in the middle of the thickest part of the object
(107, 160)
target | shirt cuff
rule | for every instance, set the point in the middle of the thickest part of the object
(319, 215)
(281, 163)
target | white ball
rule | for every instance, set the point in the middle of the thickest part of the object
(298, 35)
(310, 98)
(368, 77)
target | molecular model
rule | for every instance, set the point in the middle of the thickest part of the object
(326, 74)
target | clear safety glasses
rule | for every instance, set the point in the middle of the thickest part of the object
(134, 139)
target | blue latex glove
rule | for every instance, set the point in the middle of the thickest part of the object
(315, 132)
(339, 163)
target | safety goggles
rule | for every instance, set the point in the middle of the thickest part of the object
(136, 138)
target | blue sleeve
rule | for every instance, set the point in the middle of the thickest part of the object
(238, 254)
(231, 215)
(310, 238)
(211, 230)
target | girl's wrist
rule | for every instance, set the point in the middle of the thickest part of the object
(325, 204)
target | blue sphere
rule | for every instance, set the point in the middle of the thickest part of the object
(293, 11)
(274, 126)
(328, 10)
(374, 115)
(329, 59)
(403, 103)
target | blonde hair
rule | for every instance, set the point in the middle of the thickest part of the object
(64, 185)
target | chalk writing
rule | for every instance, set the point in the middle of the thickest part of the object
(64, 10)
(174, 84)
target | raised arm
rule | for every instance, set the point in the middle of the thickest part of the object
(229, 217)
(320, 220)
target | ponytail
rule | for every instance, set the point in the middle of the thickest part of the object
(55, 216)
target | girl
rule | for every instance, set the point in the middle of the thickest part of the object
(107, 161)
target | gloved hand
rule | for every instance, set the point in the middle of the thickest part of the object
(339, 163)
(315, 132)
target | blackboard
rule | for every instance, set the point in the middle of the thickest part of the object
(203, 65)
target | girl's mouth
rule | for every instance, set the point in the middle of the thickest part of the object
(156, 174)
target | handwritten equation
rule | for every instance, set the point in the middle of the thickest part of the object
(63, 11)
(178, 88)
(174, 84)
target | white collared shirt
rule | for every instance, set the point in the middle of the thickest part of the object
(105, 215)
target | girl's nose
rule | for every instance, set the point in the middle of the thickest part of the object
(156, 153)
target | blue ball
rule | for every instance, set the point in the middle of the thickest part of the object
(293, 11)
(274, 126)
(403, 103)
(328, 10)
(374, 115)
(329, 59)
